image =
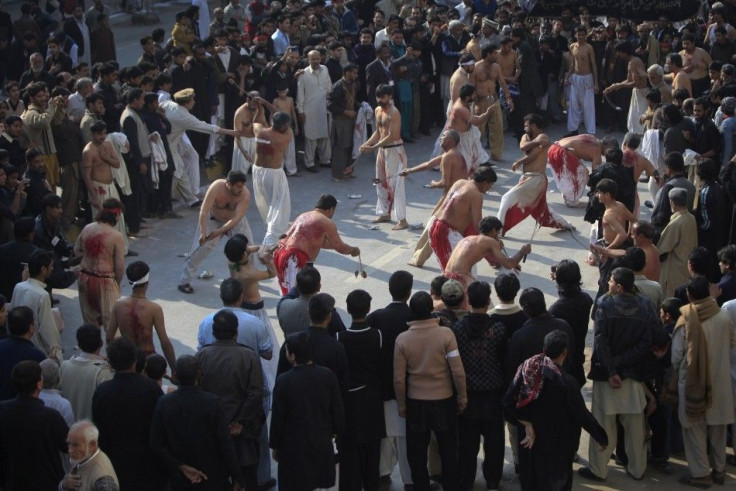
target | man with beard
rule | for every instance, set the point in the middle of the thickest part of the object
(695, 64)
(378, 72)
(461, 120)
(390, 160)
(91, 467)
(201, 79)
(36, 73)
(311, 104)
(453, 168)
(530, 85)
(37, 125)
(529, 196)
(636, 79)
(582, 91)
(460, 77)
(224, 207)
(484, 77)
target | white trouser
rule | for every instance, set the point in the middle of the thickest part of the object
(393, 447)
(271, 193)
(190, 159)
(582, 103)
(320, 144)
(390, 188)
(290, 158)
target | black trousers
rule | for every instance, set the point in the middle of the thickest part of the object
(483, 417)
(422, 418)
(540, 472)
(160, 199)
(135, 204)
(359, 466)
(250, 474)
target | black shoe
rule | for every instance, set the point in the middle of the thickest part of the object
(588, 474)
(644, 179)
(719, 477)
(385, 480)
(661, 465)
(649, 204)
(424, 132)
(196, 204)
(731, 459)
(131, 253)
(313, 169)
(326, 166)
(54, 301)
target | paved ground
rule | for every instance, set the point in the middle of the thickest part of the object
(383, 251)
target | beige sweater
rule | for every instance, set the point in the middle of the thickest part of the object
(426, 359)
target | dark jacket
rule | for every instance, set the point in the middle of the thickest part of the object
(529, 341)
(31, 437)
(662, 211)
(68, 140)
(482, 346)
(113, 106)
(623, 336)
(12, 255)
(451, 49)
(35, 191)
(72, 30)
(375, 75)
(13, 350)
(575, 310)
(337, 99)
(189, 427)
(122, 409)
(391, 321)
(326, 352)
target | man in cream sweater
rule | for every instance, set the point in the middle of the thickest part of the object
(427, 366)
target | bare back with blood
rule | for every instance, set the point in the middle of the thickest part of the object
(135, 318)
(312, 231)
(98, 244)
(586, 147)
(462, 206)
(271, 145)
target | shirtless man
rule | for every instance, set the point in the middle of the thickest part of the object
(571, 176)
(100, 246)
(310, 232)
(245, 144)
(636, 79)
(484, 77)
(222, 213)
(486, 245)
(583, 81)
(642, 234)
(459, 213)
(638, 162)
(461, 120)
(695, 63)
(98, 160)
(137, 317)
(390, 159)
(676, 75)
(529, 196)
(615, 229)
(270, 187)
(461, 76)
(452, 168)
(508, 60)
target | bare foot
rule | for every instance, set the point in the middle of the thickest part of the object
(414, 263)
(401, 225)
(381, 219)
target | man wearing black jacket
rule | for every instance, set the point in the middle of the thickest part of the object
(623, 340)
(392, 320)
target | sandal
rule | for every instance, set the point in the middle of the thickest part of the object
(186, 288)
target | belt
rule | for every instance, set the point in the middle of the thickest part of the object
(394, 145)
(95, 275)
(252, 306)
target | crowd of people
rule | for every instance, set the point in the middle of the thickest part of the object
(90, 150)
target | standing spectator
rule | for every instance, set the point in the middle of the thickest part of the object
(280, 36)
(678, 238)
(453, 43)
(675, 169)
(69, 145)
(37, 187)
(307, 414)
(707, 140)
(92, 468)
(17, 348)
(50, 394)
(583, 81)
(32, 294)
(108, 75)
(32, 436)
(182, 34)
(160, 202)
(573, 306)
(360, 448)
(481, 342)
(427, 370)
(122, 408)
(530, 85)
(392, 320)
(76, 28)
(37, 73)
(377, 73)
(293, 309)
(92, 16)
(14, 254)
(345, 16)
(363, 54)
(233, 373)
(701, 343)
(235, 15)
(82, 373)
(545, 400)
(138, 159)
(37, 124)
(311, 105)
(94, 111)
(343, 103)
(623, 338)
(102, 41)
(711, 205)
(190, 435)
(56, 61)
(10, 140)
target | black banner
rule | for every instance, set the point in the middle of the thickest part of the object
(639, 10)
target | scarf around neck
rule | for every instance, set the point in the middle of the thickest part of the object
(532, 374)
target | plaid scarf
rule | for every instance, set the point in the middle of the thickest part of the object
(532, 374)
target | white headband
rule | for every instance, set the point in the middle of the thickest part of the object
(140, 282)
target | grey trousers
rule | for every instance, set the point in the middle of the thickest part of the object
(705, 448)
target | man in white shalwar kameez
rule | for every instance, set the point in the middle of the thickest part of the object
(182, 152)
(270, 187)
(311, 105)
(390, 160)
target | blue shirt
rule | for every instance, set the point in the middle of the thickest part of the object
(280, 42)
(251, 332)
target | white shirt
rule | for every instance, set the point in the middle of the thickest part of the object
(311, 100)
(204, 17)
(75, 107)
(381, 37)
(31, 294)
(181, 121)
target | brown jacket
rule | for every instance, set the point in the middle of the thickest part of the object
(426, 359)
